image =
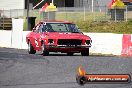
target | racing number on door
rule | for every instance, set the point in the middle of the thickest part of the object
(36, 43)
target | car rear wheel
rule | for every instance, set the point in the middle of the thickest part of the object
(70, 54)
(85, 53)
(44, 51)
(30, 48)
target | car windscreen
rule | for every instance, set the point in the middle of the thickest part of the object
(61, 27)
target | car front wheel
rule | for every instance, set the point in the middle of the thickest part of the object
(44, 51)
(85, 53)
(70, 54)
(30, 48)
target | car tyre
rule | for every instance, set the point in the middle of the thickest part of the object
(70, 54)
(30, 48)
(44, 51)
(85, 53)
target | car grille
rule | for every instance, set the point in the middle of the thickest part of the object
(69, 42)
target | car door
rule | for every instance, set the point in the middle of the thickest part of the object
(34, 37)
(38, 37)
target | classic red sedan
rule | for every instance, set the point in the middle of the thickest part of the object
(58, 36)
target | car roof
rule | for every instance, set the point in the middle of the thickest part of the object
(55, 21)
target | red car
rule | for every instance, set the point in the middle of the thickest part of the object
(58, 36)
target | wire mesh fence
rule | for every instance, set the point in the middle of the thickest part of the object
(98, 13)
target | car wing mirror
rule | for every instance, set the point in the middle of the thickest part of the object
(80, 30)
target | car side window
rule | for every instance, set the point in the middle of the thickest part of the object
(39, 28)
(49, 28)
(44, 28)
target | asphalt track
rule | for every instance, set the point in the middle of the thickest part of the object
(18, 69)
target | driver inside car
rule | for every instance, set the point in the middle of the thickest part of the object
(49, 28)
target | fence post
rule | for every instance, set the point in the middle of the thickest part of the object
(84, 14)
(3, 19)
(105, 12)
(126, 13)
(92, 6)
(115, 15)
(17, 13)
(48, 15)
(10, 13)
(11, 36)
(66, 13)
(0, 17)
(94, 15)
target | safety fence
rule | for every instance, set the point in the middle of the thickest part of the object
(98, 13)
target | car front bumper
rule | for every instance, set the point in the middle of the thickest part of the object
(70, 46)
(64, 48)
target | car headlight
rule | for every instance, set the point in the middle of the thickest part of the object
(88, 42)
(50, 41)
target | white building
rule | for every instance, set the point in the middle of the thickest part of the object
(21, 4)
(12, 4)
(14, 8)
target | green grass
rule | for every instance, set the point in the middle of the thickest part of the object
(103, 26)
(106, 27)
(77, 16)
(97, 22)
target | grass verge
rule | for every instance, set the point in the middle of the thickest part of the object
(106, 27)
